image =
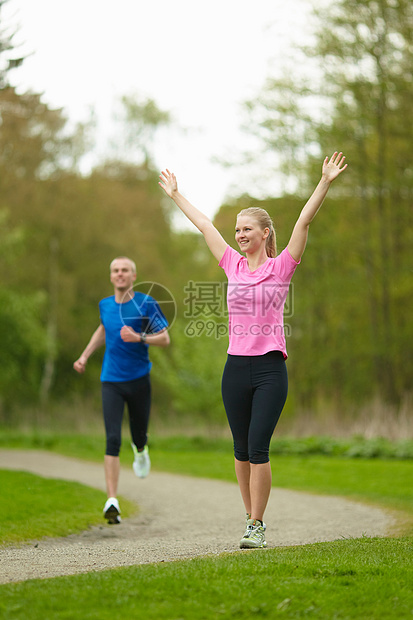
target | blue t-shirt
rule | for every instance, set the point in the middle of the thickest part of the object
(126, 361)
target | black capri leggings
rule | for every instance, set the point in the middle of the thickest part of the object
(137, 395)
(254, 390)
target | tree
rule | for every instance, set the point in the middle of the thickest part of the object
(34, 147)
(22, 334)
(141, 120)
(367, 52)
(358, 99)
(8, 58)
(33, 137)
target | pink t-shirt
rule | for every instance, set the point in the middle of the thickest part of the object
(256, 302)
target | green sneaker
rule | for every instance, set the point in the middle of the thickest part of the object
(254, 537)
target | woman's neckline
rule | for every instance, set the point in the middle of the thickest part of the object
(259, 266)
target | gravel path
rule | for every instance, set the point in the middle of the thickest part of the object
(180, 517)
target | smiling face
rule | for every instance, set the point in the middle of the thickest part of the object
(122, 274)
(249, 235)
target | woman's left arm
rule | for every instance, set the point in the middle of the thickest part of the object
(331, 169)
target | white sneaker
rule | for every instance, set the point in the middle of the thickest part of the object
(142, 462)
(254, 536)
(111, 511)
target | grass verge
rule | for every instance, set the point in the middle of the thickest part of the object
(363, 578)
(39, 507)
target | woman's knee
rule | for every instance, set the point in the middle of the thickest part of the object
(258, 457)
(241, 454)
(112, 445)
(252, 451)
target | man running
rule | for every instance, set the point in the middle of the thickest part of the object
(130, 322)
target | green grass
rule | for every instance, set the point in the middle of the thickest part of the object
(367, 579)
(36, 507)
(363, 578)
(30, 496)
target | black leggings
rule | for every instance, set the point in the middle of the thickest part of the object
(137, 395)
(254, 390)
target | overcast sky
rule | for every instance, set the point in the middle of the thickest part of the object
(197, 60)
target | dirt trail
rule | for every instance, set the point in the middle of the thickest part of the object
(180, 517)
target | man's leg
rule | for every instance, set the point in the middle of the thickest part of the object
(113, 405)
(112, 470)
(138, 398)
(139, 407)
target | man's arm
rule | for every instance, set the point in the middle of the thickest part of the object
(97, 340)
(160, 339)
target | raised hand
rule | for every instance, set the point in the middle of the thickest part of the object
(168, 182)
(333, 167)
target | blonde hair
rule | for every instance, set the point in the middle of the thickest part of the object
(264, 221)
(124, 258)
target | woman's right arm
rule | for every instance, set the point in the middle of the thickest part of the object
(97, 340)
(213, 238)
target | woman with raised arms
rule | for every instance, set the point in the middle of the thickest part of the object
(255, 382)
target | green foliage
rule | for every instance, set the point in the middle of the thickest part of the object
(351, 331)
(191, 371)
(9, 59)
(368, 121)
(23, 344)
(73, 227)
(90, 446)
(141, 120)
(21, 331)
(356, 447)
(348, 329)
(32, 139)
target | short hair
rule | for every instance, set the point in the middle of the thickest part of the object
(133, 265)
